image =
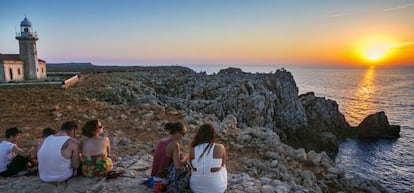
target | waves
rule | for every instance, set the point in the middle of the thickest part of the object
(389, 161)
(360, 93)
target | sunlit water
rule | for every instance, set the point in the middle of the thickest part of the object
(360, 92)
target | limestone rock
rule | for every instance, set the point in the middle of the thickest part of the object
(267, 189)
(323, 117)
(259, 117)
(56, 114)
(376, 125)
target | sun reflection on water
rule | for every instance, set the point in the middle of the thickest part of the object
(361, 104)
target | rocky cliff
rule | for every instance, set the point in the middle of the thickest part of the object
(259, 118)
(257, 100)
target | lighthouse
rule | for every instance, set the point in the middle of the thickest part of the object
(28, 51)
(25, 65)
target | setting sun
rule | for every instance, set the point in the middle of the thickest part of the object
(375, 49)
(376, 52)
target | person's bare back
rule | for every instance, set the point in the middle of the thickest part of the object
(96, 146)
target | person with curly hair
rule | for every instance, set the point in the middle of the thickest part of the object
(95, 150)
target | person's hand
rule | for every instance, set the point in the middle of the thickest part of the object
(113, 158)
(33, 162)
(184, 156)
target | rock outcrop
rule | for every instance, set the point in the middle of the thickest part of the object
(257, 100)
(327, 126)
(276, 140)
(376, 125)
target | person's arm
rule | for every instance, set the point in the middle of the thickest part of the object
(34, 149)
(191, 156)
(39, 146)
(75, 157)
(108, 145)
(176, 155)
(81, 142)
(178, 160)
(108, 149)
(19, 151)
(184, 157)
(223, 163)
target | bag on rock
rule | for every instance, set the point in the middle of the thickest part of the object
(178, 179)
(149, 182)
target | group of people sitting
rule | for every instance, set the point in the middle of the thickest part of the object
(58, 155)
(207, 160)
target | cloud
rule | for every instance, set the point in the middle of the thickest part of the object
(404, 45)
(398, 7)
(337, 15)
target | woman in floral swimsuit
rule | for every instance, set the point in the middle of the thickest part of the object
(96, 149)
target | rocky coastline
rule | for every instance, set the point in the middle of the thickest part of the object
(277, 141)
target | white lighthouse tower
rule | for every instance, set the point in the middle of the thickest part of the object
(26, 64)
(28, 51)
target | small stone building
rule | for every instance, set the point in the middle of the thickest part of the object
(26, 65)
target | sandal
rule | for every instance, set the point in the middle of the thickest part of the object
(114, 174)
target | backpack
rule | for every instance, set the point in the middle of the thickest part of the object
(178, 179)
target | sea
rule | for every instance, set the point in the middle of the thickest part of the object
(360, 91)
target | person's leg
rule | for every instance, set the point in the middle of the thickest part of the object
(18, 164)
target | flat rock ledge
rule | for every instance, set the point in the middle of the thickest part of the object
(238, 183)
(280, 168)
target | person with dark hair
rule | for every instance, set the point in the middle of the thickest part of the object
(208, 159)
(33, 152)
(58, 155)
(48, 131)
(168, 152)
(95, 150)
(12, 158)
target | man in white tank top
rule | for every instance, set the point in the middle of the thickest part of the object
(58, 155)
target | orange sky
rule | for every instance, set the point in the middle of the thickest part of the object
(217, 32)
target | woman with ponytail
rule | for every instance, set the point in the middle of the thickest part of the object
(167, 152)
(208, 160)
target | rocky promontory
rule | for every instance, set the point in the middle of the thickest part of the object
(277, 141)
(257, 100)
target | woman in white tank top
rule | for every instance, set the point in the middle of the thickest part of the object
(209, 162)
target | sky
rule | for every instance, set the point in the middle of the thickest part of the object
(166, 32)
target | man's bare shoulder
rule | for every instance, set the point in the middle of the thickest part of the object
(71, 143)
